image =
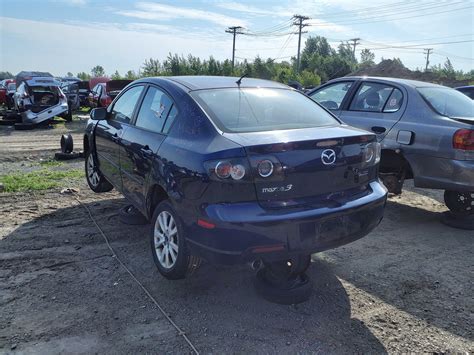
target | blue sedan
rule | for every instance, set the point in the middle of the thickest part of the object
(234, 170)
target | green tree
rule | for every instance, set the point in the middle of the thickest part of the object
(97, 71)
(69, 74)
(367, 57)
(130, 75)
(6, 75)
(83, 76)
(152, 67)
(116, 76)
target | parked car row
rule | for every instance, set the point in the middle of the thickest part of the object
(38, 97)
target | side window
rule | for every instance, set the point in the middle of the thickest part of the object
(95, 89)
(373, 97)
(123, 108)
(394, 102)
(331, 96)
(169, 121)
(154, 110)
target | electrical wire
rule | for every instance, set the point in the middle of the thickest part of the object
(150, 296)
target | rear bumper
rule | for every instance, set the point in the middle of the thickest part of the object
(35, 118)
(244, 232)
(445, 174)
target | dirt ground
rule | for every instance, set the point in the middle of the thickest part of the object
(406, 287)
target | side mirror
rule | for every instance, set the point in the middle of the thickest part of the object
(99, 113)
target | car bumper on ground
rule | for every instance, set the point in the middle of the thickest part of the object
(35, 118)
(242, 232)
(444, 174)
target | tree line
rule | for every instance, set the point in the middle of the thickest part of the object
(320, 62)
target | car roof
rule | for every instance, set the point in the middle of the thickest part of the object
(217, 82)
(465, 87)
(407, 82)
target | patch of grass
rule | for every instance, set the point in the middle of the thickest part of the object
(50, 163)
(38, 180)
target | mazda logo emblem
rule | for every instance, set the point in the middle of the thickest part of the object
(328, 156)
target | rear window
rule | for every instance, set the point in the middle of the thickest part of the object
(448, 102)
(11, 87)
(261, 109)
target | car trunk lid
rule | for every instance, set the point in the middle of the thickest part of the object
(315, 165)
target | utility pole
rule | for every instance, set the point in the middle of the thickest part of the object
(298, 21)
(427, 51)
(235, 30)
(355, 42)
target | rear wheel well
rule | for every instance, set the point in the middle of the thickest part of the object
(156, 195)
(86, 145)
(393, 162)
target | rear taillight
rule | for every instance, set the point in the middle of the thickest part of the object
(228, 169)
(463, 139)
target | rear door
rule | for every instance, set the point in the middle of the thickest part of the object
(375, 107)
(141, 141)
(333, 96)
(108, 133)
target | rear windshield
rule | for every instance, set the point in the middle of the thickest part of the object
(11, 86)
(448, 102)
(261, 109)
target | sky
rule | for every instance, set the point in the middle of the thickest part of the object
(63, 36)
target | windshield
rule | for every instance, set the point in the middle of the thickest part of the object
(261, 109)
(448, 102)
(11, 87)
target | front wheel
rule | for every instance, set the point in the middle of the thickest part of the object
(96, 181)
(460, 202)
(168, 244)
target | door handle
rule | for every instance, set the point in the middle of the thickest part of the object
(378, 129)
(115, 137)
(146, 150)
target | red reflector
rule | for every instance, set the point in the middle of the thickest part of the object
(268, 248)
(463, 139)
(204, 224)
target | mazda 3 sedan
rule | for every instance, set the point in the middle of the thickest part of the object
(234, 170)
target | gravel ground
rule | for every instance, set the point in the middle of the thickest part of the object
(406, 287)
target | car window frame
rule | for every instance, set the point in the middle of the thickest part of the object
(142, 98)
(346, 97)
(362, 82)
(134, 113)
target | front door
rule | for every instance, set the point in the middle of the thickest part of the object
(140, 144)
(109, 132)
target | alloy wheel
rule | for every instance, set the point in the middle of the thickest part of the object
(166, 239)
(92, 173)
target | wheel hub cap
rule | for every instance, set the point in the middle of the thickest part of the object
(166, 240)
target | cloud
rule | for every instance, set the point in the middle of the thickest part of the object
(155, 11)
(73, 2)
(253, 10)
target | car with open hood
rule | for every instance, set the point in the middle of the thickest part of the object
(426, 131)
(234, 170)
(39, 98)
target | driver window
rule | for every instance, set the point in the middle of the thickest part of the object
(123, 108)
(331, 96)
(154, 110)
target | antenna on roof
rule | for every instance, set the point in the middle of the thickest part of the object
(240, 79)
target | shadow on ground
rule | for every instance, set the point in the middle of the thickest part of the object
(62, 290)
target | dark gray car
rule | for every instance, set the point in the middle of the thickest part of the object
(426, 131)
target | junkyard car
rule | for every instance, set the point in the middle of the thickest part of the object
(103, 93)
(39, 98)
(426, 131)
(234, 171)
(10, 88)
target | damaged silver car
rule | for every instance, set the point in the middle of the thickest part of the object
(39, 98)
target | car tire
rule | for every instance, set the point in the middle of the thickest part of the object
(168, 244)
(96, 181)
(68, 116)
(67, 143)
(460, 203)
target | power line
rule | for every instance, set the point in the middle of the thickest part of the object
(298, 21)
(235, 30)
